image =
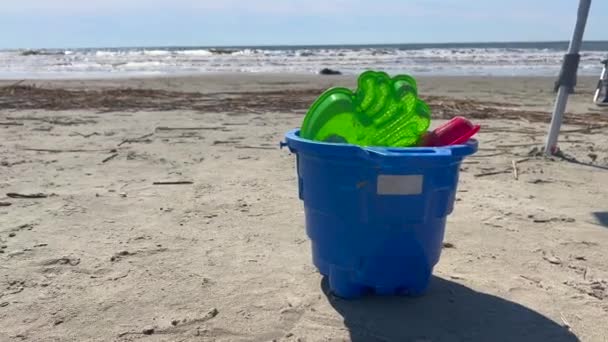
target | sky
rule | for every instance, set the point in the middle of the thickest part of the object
(119, 23)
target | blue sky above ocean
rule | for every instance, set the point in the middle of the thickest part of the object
(106, 23)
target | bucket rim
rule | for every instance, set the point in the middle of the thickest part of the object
(294, 142)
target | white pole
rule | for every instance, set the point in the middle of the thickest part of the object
(562, 92)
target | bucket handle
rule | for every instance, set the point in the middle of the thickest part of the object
(408, 152)
(283, 144)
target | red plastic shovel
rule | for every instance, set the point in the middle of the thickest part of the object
(454, 132)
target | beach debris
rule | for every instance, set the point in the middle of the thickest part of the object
(540, 181)
(535, 280)
(128, 99)
(172, 183)
(515, 169)
(120, 254)
(136, 140)
(5, 204)
(110, 158)
(10, 123)
(148, 331)
(53, 120)
(72, 261)
(43, 128)
(32, 195)
(223, 142)
(210, 314)
(211, 128)
(85, 135)
(597, 288)
(456, 277)
(565, 322)
(586, 129)
(28, 226)
(592, 156)
(16, 253)
(541, 219)
(491, 173)
(328, 71)
(488, 155)
(552, 259)
(255, 147)
(513, 145)
(448, 245)
(42, 53)
(53, 150)
(538, 152)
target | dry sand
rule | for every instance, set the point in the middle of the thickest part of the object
(107, 255)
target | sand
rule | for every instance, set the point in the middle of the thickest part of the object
(105, 254)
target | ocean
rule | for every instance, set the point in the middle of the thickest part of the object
(487, 59)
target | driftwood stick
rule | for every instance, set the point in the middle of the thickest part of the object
(162, 128)
(86, 135)
(135, 139)
(109, 158)
(484, 174)
(222, 142)
(488, 155)
(8, 123)
(255, 147)
(514, 145)
(18, 195)
(173, 183)
(52, 150)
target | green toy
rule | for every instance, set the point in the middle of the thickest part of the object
(383, 111)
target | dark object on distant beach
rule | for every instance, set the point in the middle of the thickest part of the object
(41, 53)
(223, 51)
(327, 71)
(30, 53)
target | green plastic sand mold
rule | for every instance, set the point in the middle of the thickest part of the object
(383, 111)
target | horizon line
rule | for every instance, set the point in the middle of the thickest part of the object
(303, 45)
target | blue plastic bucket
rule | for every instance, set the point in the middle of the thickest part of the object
(376, 216)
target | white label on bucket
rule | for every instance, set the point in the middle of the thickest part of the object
(400, 184)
